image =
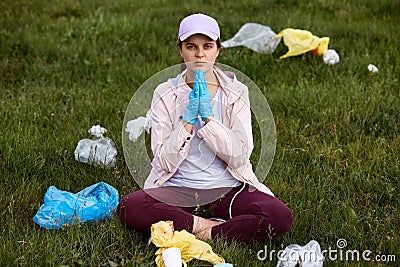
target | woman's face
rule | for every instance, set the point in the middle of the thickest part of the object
(199, 52)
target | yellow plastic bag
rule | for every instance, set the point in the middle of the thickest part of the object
(301, 41)
(163, 236)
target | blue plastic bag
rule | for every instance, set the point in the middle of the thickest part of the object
(94, 203)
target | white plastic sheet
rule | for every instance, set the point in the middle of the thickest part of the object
(257, 37)
(135, 127)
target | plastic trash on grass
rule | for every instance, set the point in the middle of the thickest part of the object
(164, 237)
(302, 41)
(99, 151)
(305, 256)
(60, 208)
(372, 68)
(135, 127)
(330, 57)
(255, 36)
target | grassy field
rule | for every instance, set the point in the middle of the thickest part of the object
(68, 65)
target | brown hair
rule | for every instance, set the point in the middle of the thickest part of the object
(218, 41)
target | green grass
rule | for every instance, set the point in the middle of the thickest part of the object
(68, 65)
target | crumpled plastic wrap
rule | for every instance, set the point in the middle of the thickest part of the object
(94, 203)
(255, 36)
(97, 131)
(305, 256)
(331, 57)
(135, 127)
(302, 41)
(372, 68)
(164, 237)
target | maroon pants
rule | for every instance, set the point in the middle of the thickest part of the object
(255, 215)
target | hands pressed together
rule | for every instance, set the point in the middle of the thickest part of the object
(199, 100)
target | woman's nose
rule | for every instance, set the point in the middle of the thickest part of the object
(200, 53)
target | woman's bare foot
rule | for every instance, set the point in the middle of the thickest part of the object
(202, 227)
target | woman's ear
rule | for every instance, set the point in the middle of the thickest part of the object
(219, 49)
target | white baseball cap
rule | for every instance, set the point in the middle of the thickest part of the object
(198, 23)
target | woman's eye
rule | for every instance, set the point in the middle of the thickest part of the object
(208, 46)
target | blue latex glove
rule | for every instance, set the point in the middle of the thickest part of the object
(192, 109)
(205, 109)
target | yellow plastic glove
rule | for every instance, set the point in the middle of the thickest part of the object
(163, 236)
(301, 41)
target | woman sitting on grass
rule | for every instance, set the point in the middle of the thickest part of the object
(202, 140)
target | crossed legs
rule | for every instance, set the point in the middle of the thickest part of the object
(255, 215)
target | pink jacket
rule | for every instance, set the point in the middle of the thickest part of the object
(231, 140)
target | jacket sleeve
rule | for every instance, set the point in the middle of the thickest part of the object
(232, 144)
(170, 145)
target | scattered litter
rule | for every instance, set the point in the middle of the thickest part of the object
(307, 256)
(97, 131)
(261, 38)
(172, 257)
(372, 68)
(100, 151)
(330, 57)
(302, 41)
(255, 36)
(135, 127)
(60, 208)
(164, 237)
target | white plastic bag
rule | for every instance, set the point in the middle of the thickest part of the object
(135, 127)
(304, 256)
(99, 151)
(255, 36)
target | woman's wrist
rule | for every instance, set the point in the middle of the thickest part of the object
(188, 127)
(207, 120)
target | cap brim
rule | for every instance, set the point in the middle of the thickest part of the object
(186, 35)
